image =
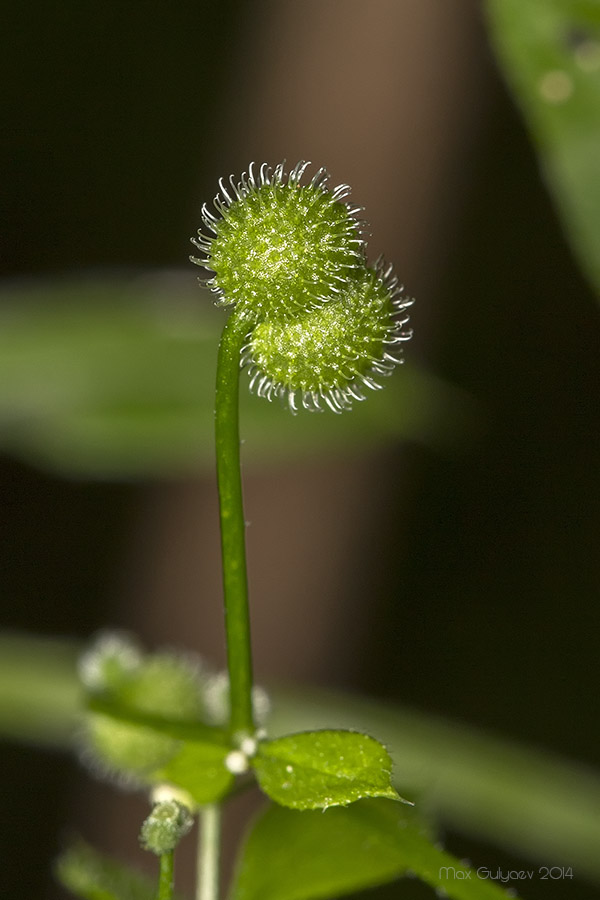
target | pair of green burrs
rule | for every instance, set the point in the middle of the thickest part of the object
(291, 259)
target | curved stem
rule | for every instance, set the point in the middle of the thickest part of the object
(209, 845)
(165, 878)
(233, 538)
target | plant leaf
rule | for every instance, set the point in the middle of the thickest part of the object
(501, 791)
(189, 755)
(550, 52)
(92, 876)
(140, 722)
(178, 729)
(318, 769)
(290, 855)
(199, 768)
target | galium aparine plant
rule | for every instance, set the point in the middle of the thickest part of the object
(316, 325)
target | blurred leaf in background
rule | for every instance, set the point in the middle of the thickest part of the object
(115, 378)
(550, 53)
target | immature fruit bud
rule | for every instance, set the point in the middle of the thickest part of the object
(165, 826)
(279, 247)
(321, 324)
(327, 355)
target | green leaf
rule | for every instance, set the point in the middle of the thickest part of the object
(139, 717)
(501, 791)
(93, 876)
(115, 378)
(189, 755)
(199, 768)
(178, 729)
(40, 694)
(550, 52)
(291, 855)
(318, 769)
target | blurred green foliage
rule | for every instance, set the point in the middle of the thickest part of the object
(550, 53)
(115, 378)
(522, 798)
(369, 843)
(93, 876)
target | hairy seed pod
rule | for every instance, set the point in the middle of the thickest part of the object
(279, 247)
(322, 324)
(325, 357)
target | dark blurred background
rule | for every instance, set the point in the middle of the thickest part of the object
(460, 581)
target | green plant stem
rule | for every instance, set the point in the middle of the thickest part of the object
(233, 526)
(209, 846)
(165, 879)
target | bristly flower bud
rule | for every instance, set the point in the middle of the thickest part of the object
(166, 825)
(322, 324)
